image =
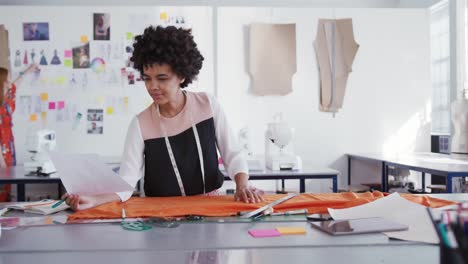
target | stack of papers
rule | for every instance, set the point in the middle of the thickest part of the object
(43, 207)
(397, 209)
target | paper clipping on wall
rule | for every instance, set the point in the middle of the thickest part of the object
(272, 59)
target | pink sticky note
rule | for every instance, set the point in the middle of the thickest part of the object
(51, 105)
(61, 104)
(68, 53)
(264, 233)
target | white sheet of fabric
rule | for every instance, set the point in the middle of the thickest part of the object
(336, 49)
(272, 60)
(398, 209)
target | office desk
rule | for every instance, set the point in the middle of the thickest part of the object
(432, 163)
(301, 175)
(211, 242)
(17, 175)
(206, 242)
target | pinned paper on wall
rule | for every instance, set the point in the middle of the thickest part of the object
(272, 68)
(25, 104)
(67, 63)
(163, 15)
(33, 117)
(100, 100)
(129, 35)
(61, 80)
(68, 54)
(61, 104)
(84, 38)
(36, 99)
(109, 110)
(44, 96)
(125, 103)
(51, 105)
(44, 116)
(44, 80)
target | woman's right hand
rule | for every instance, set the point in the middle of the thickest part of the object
(77, 202)
(82, 202)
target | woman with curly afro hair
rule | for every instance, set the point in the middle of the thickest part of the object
(173, 143)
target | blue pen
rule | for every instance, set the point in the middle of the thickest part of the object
(57, 204)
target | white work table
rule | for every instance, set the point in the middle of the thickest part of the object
(209, 242)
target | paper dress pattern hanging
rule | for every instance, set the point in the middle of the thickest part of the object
(272, 60)
(336, 49)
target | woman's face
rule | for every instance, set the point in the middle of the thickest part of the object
(162, 83)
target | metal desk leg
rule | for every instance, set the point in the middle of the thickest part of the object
(20, 192)
(335, 183)
(301, 185)
(385, 177)
(449, 183)
(282, 185)
(423, 182)
(349, 170)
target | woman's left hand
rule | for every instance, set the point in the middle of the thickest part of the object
(247, 195)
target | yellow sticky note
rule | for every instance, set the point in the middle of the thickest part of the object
(100, 99)
(291, 230)
(33, 117)
(44, 96)
(163, 15)
(84, 39)
(129, 35)
(61, 80)
(125, 99)
(110, 110)
(67, 63)
(44, 115)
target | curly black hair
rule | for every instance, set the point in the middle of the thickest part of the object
(168, 45)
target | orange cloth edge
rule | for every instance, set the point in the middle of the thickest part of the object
(226, 206)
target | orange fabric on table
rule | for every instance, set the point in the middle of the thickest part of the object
(226, 206)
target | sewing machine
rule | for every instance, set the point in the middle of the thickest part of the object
(40, 142)
(279, 153)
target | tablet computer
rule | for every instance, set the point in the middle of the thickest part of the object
(358, 226)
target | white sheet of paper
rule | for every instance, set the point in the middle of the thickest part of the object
(396, 208)
(87, 174)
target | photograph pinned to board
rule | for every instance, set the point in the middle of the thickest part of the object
(95, 119)
(81, 56)
(35, 31)
(101, 26)
(272, 58)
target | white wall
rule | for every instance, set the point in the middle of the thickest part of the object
(66, 25)
(387, 102)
